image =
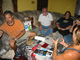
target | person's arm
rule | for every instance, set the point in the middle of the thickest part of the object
(39, 21)
(52, 20)
(68, 28)
(66, 55)
(77, 22)
(20, 34)
(58, 25)
(40, 25)
(71, 29)
(51, 24)
(63, 43)
(55, 49)
(55, 55)
(74, 36)
(74, 23)
(1, 32)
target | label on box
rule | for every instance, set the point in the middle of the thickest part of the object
(27, 25)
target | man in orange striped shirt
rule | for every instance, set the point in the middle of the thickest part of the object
(15, 29)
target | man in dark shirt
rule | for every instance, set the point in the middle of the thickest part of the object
(63, 25)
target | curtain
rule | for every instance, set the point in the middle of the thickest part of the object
(7, 5)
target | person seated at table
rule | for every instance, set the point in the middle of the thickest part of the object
(15, 29)
(71, 52)
(76, 22)
(63, 25)
(45, 21)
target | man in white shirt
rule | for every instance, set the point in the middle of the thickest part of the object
(45, 22)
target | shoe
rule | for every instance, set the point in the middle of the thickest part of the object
(2, 51)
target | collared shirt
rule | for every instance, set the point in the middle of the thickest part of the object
(45, 20)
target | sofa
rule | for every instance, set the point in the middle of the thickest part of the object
(21, 15)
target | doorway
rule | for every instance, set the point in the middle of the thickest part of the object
(15, 5)
(42, 4)
(14, 2)
(0, 7)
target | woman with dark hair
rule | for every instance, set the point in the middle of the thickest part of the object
(68, 12)
(63, 26)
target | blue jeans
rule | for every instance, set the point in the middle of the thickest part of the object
(49, 31)
(68, 38)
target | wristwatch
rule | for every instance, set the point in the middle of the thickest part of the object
(15, 39)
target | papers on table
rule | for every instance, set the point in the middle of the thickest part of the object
(40, 38)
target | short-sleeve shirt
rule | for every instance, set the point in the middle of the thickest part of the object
(65, 22)
(13, 30)
(45, 20)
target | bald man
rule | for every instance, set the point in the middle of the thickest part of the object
(45, 22)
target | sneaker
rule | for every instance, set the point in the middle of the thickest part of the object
(2, 51)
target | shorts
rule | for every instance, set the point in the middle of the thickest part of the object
(23, 39)
(25, 36)
(5, 40)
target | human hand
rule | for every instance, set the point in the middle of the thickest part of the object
(77, 22)
(40, 27)
(63, 29)
(74, 23)
(1, 32)
(55, 42)
(12, 42)
(62, 42)
(50, 27)
(59, 28)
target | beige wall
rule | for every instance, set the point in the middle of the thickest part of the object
(53, 5)
(27, 5)
(62, 6)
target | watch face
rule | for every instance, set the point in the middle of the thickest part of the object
(15, 39)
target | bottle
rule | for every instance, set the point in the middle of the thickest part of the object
(30, 27)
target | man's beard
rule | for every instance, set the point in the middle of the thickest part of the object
(9, 22)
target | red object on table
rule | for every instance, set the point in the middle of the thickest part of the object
(35, 47)
(44, 45)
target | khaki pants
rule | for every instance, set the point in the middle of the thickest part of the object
(6, 38)
(23, 39)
